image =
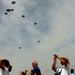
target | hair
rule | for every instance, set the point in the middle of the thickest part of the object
(31, 72)
(22, 73)
(72, 70)
(6, 62)
(26, 71)
(10, 68)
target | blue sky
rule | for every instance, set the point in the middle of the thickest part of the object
(55, 29)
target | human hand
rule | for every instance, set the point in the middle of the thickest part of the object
(54, 59)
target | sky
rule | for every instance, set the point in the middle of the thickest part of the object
(55, 30)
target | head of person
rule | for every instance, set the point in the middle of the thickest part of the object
(7, 64)
(26, 71)
(66, 61)
(31, 72)
(34, 64)
(22, 73)
(72, 71)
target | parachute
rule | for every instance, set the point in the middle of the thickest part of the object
(19, 47)
(8, 10)
(38, 41)
(35, 23)
(12, 9)
(6, 13)
(13, 2)
(23, 16)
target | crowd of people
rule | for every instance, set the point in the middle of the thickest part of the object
(6, 68)
(35, 71)
(63, 69)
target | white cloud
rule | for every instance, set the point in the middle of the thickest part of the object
(55, 30)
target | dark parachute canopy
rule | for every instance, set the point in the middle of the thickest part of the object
(6, 13)
(23, 16)
(12, 9)
(13, 2)
(38, 41)
(35, 23)
(19, 47)
(8, 10)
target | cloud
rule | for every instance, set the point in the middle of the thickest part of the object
(55, 30)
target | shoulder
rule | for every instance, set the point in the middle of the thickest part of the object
(36, 69)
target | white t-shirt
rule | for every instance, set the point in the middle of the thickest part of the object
(64, 70)
(5, 71)
(0, 71)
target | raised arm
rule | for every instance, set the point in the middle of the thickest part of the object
(62, 61)
(54, 64)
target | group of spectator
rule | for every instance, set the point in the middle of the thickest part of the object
(35, 71)
(5, 68)
(64, 69)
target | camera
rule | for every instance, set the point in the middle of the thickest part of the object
(55, 55)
